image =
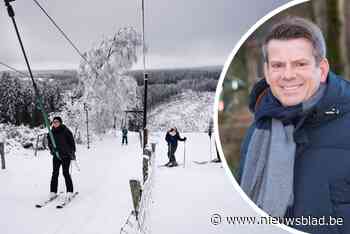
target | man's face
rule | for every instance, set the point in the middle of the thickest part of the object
(292, 72)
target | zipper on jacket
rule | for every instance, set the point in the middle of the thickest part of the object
(333, 111)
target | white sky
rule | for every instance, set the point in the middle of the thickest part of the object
(179, 33)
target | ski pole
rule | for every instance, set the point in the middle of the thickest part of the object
(210, 156)
(184, 153)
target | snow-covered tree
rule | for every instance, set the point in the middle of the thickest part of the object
(18, 101)
(9, 95)
(107, 90)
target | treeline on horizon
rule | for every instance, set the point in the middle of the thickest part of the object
(173, 76)
(166, 83)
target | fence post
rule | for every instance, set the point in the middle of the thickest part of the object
(145, 137)
(135, 187)
(147, 153)
(145, 168)
(2, 152)
(153, 147)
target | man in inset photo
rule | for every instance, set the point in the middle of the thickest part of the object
(295, 157)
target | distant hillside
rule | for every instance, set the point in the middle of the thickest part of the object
(189, 112)
(47, 74)
(65, 79)
(166, 83)
(172, 76)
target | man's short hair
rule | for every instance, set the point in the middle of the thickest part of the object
(295, 28)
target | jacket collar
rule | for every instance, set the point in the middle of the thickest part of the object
(334, 104)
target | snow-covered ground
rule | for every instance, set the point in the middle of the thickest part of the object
(184, 198)
(103, 182)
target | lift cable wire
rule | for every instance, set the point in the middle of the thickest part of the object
(14, 69)
(94, 70)
(61, 31)
(72, 44)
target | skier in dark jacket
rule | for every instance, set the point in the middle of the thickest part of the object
(66, 150)
(295, 158)
(210, 133)
(125, 135)
(172, 137)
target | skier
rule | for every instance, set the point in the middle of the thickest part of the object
(172, 137)
(210, 128)
(125, 135)
(218, 159)
(210, 133)
(66, 149)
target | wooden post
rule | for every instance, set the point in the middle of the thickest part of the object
(145, 137)
(2, 152)
(153, 147)
(135, 187)
(145, 163)
(145, 168)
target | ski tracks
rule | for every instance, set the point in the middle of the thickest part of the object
(104, 197)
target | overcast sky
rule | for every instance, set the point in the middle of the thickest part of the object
(179, 33)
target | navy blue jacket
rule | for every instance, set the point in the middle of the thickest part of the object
(172, 140)
(322, 163)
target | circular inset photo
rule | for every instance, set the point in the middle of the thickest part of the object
(283, 116)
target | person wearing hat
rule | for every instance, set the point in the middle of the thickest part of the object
(65, 146)
(172, 137)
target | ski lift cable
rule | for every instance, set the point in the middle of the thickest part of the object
(11, 14)
(60, 30)
(13, 69)
(72, 44)
(94, 70)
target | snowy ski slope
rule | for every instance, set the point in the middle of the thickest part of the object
(183, 198)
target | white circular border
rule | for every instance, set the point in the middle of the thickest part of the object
(216, 107)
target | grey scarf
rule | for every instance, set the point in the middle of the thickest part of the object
(268, 171)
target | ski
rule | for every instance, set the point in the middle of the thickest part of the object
(206, 162)
(66, 202)
(163, 165)
(201, 162)
(47, 201)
